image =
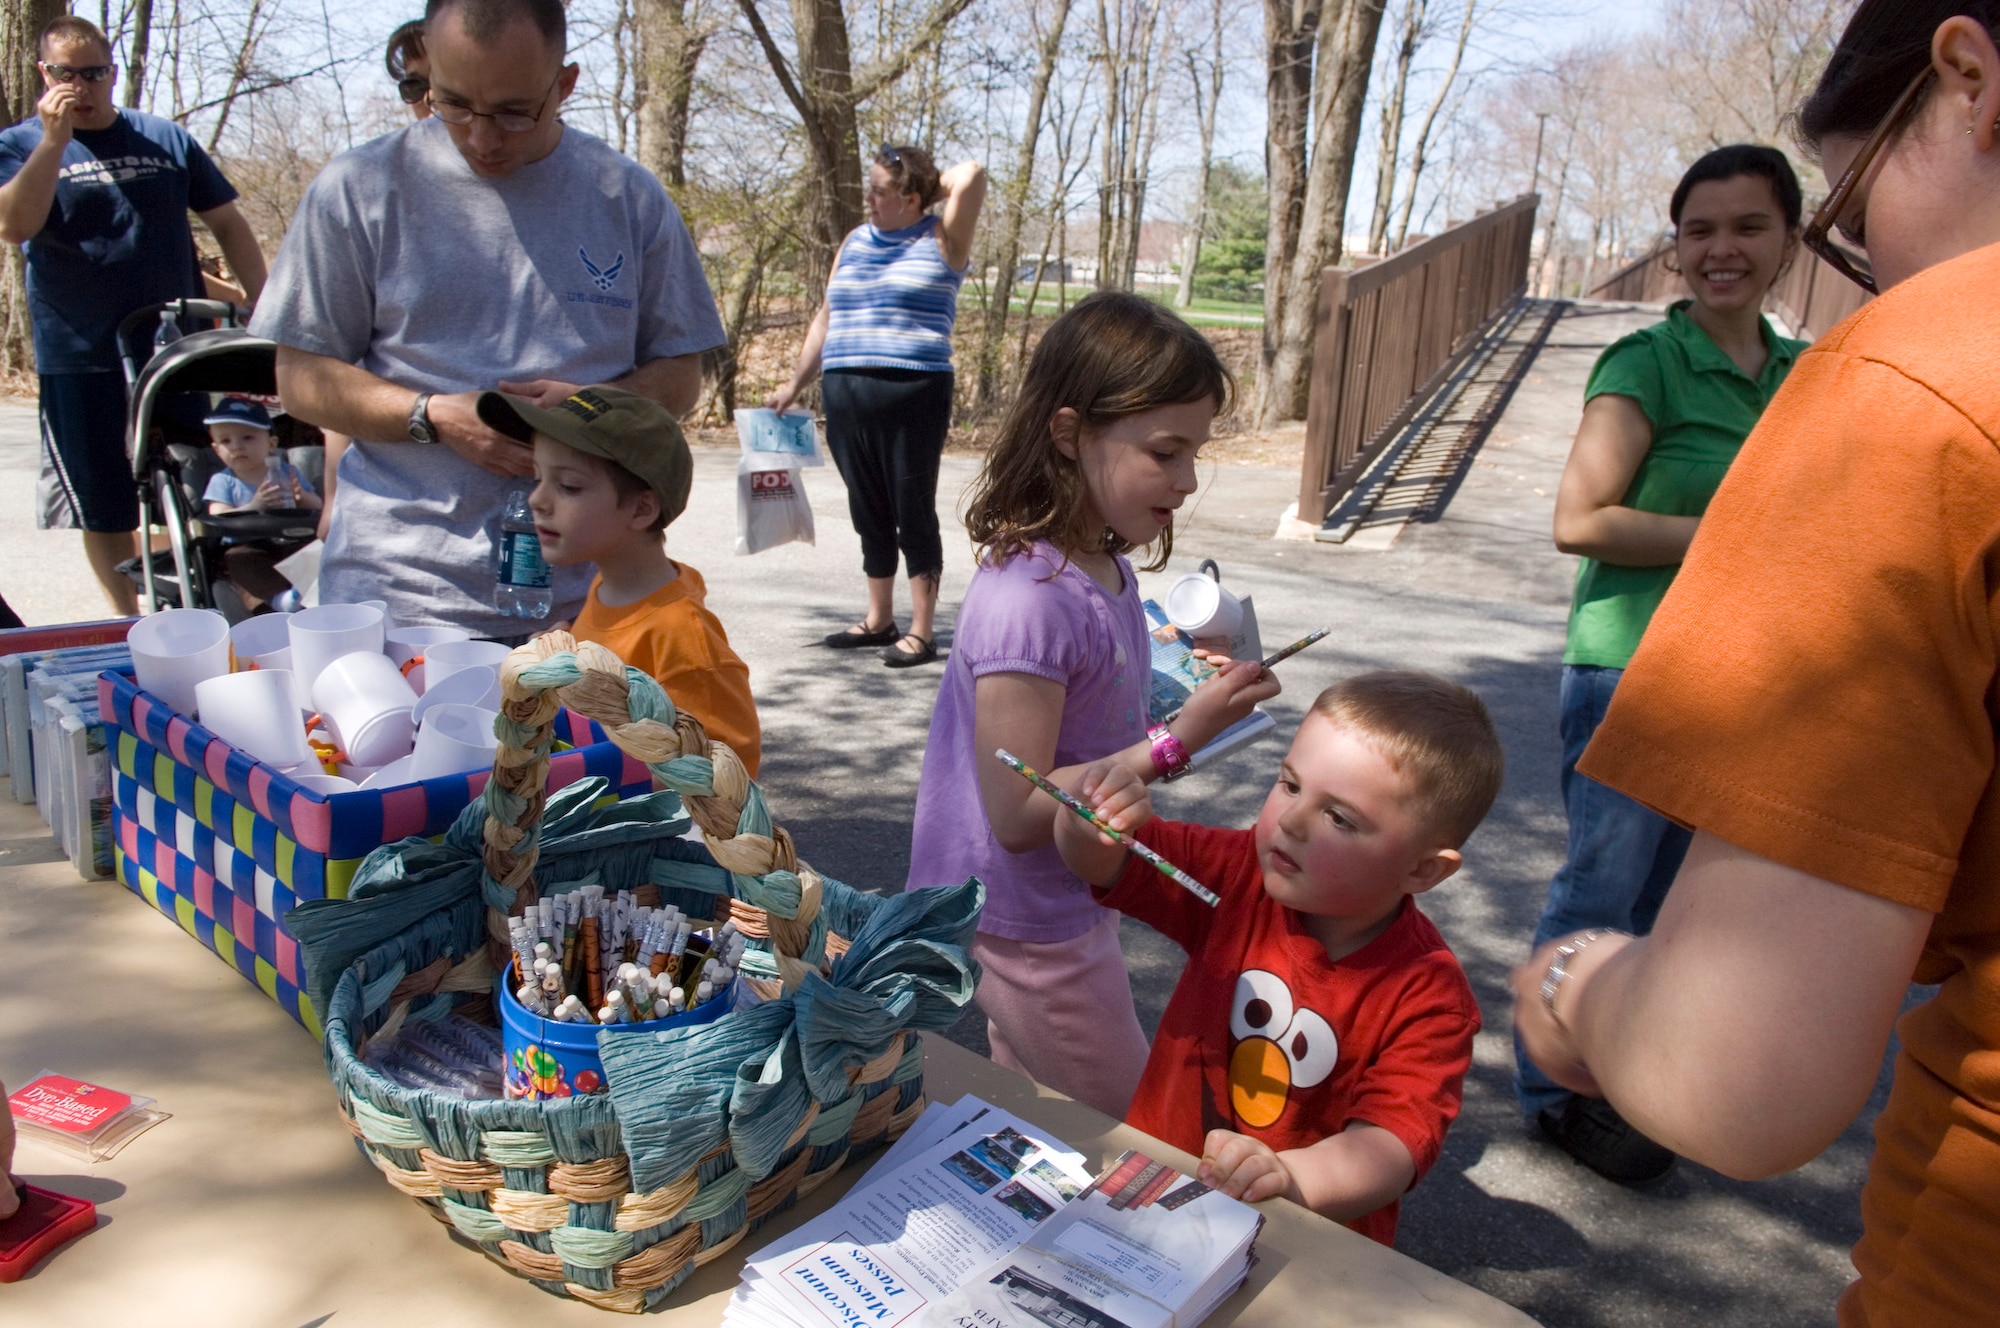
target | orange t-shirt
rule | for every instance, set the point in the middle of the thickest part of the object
(1819, 688)
(672, 635)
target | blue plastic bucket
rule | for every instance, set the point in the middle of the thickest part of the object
(547, 1058)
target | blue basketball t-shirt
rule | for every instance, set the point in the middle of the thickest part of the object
(117, 237)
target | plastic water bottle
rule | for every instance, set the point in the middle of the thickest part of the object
(522, 581)
(169, 331)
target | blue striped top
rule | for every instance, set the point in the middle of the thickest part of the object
(892, 301)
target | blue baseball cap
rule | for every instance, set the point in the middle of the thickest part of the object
(238, 410)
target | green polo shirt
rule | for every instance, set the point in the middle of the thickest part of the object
(1701, 407)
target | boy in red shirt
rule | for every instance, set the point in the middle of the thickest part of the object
(1318, 1039)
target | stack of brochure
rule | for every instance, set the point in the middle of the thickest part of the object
(976, 1217)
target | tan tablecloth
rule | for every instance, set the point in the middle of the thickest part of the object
(252, 1206)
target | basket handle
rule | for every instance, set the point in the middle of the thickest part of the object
(537, 680)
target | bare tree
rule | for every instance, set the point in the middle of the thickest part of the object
(136, 51)
(1308, 216)
(1448, 88)
(671, 41)
(21, 21)
(1411, 30)
(825, 90)
(1207, 97)
(1127, 34)
(1014, 203)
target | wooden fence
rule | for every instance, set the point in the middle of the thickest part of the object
(1811, 296)
(1388, 333)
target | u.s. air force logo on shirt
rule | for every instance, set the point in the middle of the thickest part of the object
(603, 276)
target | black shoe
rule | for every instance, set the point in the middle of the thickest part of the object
(856, 637)
(1589, 1130)
(898, 658)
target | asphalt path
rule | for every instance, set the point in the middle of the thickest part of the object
(1478, 595)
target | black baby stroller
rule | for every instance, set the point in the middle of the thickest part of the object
(171, 458)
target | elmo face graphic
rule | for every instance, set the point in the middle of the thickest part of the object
(1277, 1048)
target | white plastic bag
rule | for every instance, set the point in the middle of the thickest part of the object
(771, 508)
(772, 439)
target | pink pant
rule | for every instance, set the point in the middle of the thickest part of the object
(1061, 1013)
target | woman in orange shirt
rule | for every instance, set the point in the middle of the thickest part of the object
(1819, 698)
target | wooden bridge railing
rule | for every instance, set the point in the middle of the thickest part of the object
(1811, 296)
(1388, 333)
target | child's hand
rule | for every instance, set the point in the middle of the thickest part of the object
(269, 494)
(1235, 689)
(1116, 794)
(1244, 1168)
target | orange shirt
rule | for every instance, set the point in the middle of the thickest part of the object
(1819, 687)
(672, 635)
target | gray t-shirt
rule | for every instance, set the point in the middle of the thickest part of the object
(576, 268)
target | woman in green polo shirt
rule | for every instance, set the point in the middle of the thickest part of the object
(1665, 411)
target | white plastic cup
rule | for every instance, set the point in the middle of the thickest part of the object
(255, 712)
(176, 648)
(326, 784)
(477, 686)
(367, 703)
(447, 658)
(324, 634)
(1202, 606)
(403, 644)
(454, 740)
(254, 638)
(393, 775)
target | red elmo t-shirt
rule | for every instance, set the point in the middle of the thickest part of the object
(1266, 1036)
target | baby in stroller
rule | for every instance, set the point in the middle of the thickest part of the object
(239, 430)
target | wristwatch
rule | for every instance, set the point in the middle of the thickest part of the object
(1170, 755)
(421, 428)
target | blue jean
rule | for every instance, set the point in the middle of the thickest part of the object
(1622, 857)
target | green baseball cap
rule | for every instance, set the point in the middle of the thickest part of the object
(622, 427)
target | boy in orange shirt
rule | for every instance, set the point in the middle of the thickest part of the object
(611, 471)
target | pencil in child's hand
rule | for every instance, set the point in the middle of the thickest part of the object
(1173, 873)
(1294, 648)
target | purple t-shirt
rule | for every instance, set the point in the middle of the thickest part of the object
(1026, 616)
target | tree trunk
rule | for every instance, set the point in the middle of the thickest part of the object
(1392, 123)
(1420, 150)
(824, 89)
(1014, 208)
(670, 50)
(1345, 56)
(21, 21)
(1139, 167)
(135, 59)
(1290, 30)
(1205, 100)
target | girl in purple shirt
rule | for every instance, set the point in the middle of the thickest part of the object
(1050, 659)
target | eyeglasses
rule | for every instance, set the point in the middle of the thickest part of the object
(71, 73)
(414, 88)
(889, 156)
(507, 122)
(1827, 219)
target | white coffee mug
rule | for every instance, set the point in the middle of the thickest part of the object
(1201, 606)
(324, 634)
(176, 648)
(255, 712)
(367, 703)
(454, 740)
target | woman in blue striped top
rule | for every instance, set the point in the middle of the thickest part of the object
(883, 340)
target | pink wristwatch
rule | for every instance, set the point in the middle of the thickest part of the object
(1170, 755)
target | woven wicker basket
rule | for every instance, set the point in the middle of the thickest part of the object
(615, 1198)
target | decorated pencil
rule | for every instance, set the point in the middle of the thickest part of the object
(1173, 873)
(1294, 648)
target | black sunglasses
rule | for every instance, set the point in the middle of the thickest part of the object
(71, 73)
(412, 89)
(889, 156)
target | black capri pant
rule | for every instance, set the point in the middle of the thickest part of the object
(886, 430)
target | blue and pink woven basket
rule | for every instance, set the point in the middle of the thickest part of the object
(226, 846)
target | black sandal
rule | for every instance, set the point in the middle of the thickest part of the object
(898, 658)
(853, 639)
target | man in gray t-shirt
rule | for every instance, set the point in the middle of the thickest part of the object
(485, 247)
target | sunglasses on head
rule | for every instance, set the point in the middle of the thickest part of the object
(412, 88)
(72, 73)
(889, 156)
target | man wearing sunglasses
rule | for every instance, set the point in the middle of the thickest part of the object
(99, 196)
(488, 246)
